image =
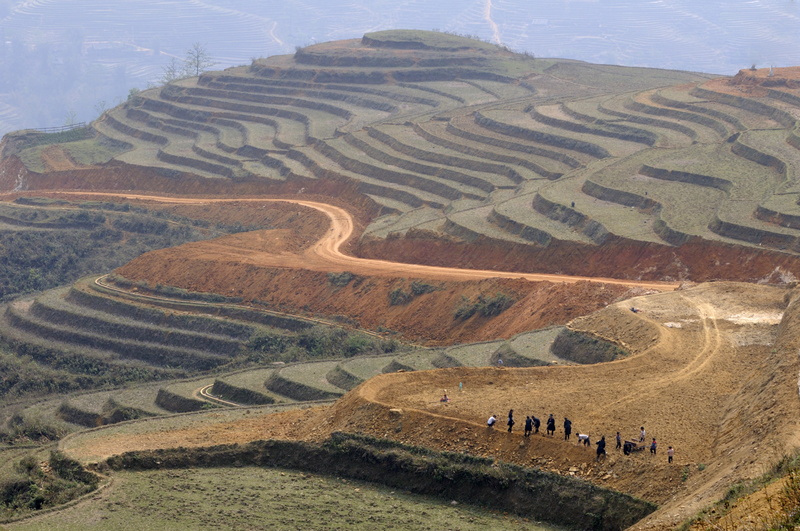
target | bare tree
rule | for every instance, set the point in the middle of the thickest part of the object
(197, 60)
(173, 71)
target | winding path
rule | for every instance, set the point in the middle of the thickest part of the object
(325, 254)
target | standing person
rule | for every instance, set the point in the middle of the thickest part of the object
(653, 446)
(567, 428)
(492, 421)
(642, 435)
(528, 425)
(601, 448)
(536, 424)
(551, 425)
(619, 441)
(670, 453)
(510, 419)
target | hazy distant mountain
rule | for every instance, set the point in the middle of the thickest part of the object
(67, 60)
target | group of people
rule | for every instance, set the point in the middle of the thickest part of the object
(532, 424)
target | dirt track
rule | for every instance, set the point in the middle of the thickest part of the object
(325, 254)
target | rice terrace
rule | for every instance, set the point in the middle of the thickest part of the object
(290, 294)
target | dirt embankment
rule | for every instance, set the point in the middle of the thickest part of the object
(697, 260)
(367, 300)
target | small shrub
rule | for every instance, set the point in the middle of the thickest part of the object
(486, 307)
(340, 280)
(420, 288)
(398, 297)
(583, 348)
(71, 470)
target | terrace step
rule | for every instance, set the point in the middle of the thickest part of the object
(676, 133)
(732, 223)
(517, 215)
(473, 183)
(401, 221)
(345, 156)
(381, 95)
(149, 352)
(438, 133)
(554, 116)
(54, 308)
(667, 134)
(224, 319)
(643, 103)
(79, 360)
(466, 127)
(304, 381)
(254, 379)
(515, 124)
(497, 175)
(320, 167)
(594, 217)
(771, 110)
(739, 117)
(472, 224)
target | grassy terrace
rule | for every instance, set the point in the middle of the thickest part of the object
(596, 217)
(434, 133)
(470, 182)
(405, 143)
(738, 116)
(645, 103)
(470, 224)
(413, 144)
(668, 134)
(517, 214)
(466, 126)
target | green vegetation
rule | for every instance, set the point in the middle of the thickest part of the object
(34, 486)
(340, 280)
(256, 498)
(239, 395)
(49, 243)
(782, 508)
(399, 296)
(583, 348)
(503, 487)
(483, 306)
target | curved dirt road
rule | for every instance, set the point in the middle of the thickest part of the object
(325, 254)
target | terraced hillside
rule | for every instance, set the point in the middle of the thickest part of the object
(103, 336)
(466, 141)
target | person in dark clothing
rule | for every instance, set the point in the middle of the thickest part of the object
(528, 425)
(653, 446)
(510, 420)
(551, 425)
(567, 428)
(626, 448)
(601, 448)
(619, 441)
(536, 424)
